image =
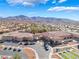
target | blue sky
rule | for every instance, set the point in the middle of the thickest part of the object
(44, 8)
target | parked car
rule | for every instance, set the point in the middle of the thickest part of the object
(46, 47)
(14, 49)
(10, 48)
(1, 41)
(5, 48)
(19, 50)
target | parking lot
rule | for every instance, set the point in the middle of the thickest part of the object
(13, 48)
(8, 50)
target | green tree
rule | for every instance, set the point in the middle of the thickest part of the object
(17, 56)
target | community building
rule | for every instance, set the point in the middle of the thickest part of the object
(17, 36)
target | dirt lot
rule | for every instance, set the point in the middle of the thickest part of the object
(30, 53)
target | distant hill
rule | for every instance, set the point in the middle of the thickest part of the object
(39, 19)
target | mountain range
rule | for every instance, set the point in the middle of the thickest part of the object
(39, 19)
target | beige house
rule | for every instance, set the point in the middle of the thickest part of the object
(17, 36)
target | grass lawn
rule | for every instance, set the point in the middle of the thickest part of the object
(69, 55)
(75, 54)
(63, 56)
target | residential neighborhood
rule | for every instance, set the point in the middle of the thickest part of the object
(22, 44)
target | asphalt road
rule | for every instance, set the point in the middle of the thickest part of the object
(42, 53)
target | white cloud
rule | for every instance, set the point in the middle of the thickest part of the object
(32, 2)
(54, 1)
(62, 8)
(60, 1)
(26, 2)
